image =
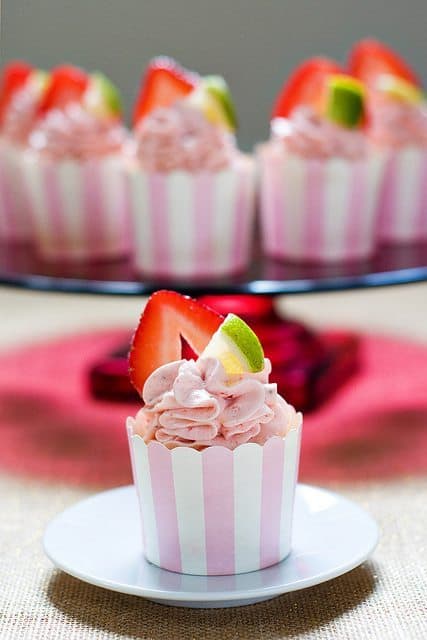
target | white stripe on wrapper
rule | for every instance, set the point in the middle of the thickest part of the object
(70, 181)
(33, 175)
(113, 223)
(247, 506)
(290, 473)
(294, 181)
(408, 177)
(143, 480)
(188, 480)
(338, 176)
(180, 213)
(141, 219)
(224, 194)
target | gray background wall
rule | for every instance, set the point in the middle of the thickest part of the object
(253, 43)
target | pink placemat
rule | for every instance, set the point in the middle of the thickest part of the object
(51, 427)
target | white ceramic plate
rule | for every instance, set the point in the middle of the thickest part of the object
(99, 541)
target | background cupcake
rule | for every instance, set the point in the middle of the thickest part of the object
(319, 177)
(191, 189)
(397, 125)
(75, 169)
(21, 91)
(215, 449)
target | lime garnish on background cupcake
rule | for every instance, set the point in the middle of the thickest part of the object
(399, 89)
(102, 98)
(345, 100)
(236, 346)
(212, 96)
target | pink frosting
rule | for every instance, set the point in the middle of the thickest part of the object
(180, 137)
(397, 123)
(195, 404)
(21, 114)
(311, 136)
(75, 133)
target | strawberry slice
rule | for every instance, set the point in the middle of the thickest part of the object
(305, 86)
(67, 84)
(157, 340)
(370, 59)
(163, 83)
(14, 76)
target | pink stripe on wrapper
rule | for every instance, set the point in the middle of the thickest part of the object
(421, 217)
(92, 216)
(158, 212)
(356, 228)
(314, 217)
(8, 223)
(204, 184)
(272, 203)
(241, 229)
(219, 510)
(162, 484)
(54, 205)
(271, 502)
(387, 201)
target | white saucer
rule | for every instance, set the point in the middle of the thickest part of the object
(99, 541)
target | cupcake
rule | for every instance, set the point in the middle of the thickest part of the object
(215, 448)
(398, 126)
(192, 191)
(21, 90)
(319, 177)
(74, 169)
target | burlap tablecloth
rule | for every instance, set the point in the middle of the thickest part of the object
(384, 599)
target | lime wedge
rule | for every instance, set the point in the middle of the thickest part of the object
(345, 100)
(102, 97)
(213, 98)
(236, 346)
(399, 89)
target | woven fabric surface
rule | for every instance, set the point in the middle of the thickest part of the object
(384, 599)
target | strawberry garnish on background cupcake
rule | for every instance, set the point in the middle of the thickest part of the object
(397, 109)
(187, 159)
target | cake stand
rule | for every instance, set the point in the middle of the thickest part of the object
(307, 367)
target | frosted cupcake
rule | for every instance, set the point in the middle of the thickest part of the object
(214, 449)
(75, 170)
(398, 126)
(21, 90)
(319, 177)
(192, 191)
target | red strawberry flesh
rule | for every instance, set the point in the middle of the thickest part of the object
(370, 58)
(305, 86)
(14, 76)
(163, 83)
(66, 84)
(157, 340)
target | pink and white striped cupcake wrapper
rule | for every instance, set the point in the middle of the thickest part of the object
(80, 210)
(193, 224)
(402, 213)
(318, 210)
(216, 511)
(15, 219)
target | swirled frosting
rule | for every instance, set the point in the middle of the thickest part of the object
(21, 114)
(397, 123)
(180, 137)
(307, 134)
(75, 133)
(193, 403)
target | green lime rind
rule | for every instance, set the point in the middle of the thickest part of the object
(346, 102)
(109, 92)
(218, 88)
(246, 341)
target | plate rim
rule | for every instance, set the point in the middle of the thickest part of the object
(217, 596)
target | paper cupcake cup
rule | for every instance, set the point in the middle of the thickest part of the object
(15, 220)
(402, 213)
(80, 210)
(318, 210)
(216, 511)
(193, 224)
